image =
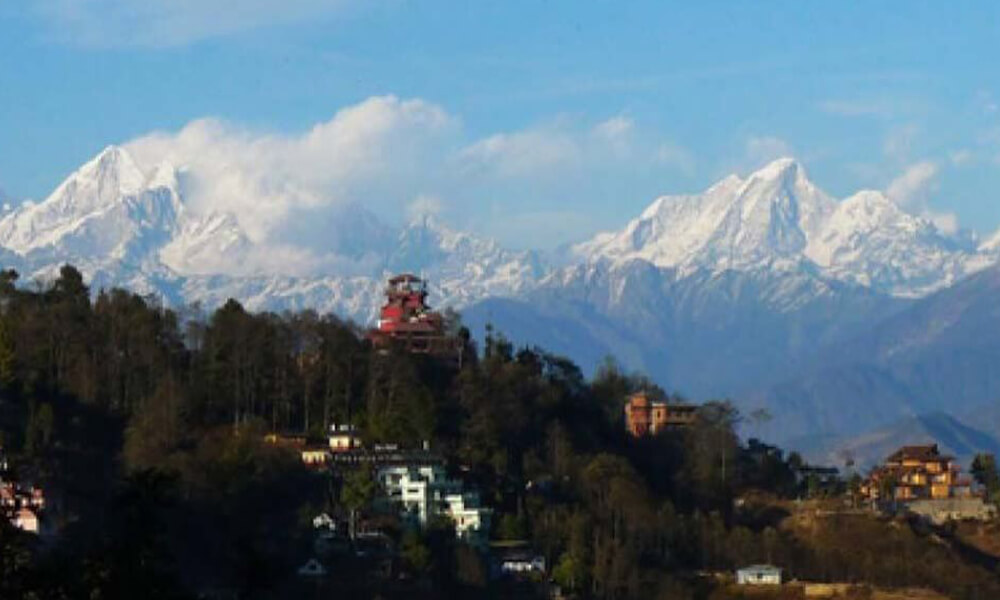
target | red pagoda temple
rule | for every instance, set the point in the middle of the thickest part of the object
(407, 322)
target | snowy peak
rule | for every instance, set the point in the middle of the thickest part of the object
(103, 180)
(783, 172)
(736, 223)
(102, 210)
(464, 266)
(776, 218)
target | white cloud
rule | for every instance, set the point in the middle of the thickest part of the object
(423, 205)
(912, 191)
(962, 158)
(170, 22)
(545, 224)
(398, 158)
(914, 186)
(263, 178)
(564, 146)
(946, 222)
(615, 129)
(522, 153)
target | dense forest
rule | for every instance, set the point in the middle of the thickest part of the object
(146, 426)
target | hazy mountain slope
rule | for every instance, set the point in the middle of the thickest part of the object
(868, 449)
(705, 334)
(567, 329)
(938, 354)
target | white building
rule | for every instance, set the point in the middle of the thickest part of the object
(472, 521)
(424, 491)
(759, 575)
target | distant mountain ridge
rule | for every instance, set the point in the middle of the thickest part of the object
(761, 288)
(779, 220)
(937, 354)
(123, 225)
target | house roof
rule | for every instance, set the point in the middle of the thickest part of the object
(759, 569)
(926, 452)
(404, 278)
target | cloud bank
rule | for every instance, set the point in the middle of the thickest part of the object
(371, 149)
(401, 158)
(537, 186)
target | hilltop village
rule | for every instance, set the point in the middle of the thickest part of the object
(246, 455)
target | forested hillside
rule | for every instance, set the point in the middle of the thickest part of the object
(146, 427)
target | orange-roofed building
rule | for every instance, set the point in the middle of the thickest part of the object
(915, 473)
(644, 416)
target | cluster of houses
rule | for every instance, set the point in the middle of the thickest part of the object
(21, 503)
(411, 481)
(914, 473)
(319, 453)
(421, 492)
(414, 484)
(923, 481)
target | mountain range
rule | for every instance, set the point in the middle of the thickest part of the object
(838, 316)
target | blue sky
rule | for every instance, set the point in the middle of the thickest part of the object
(535, 122)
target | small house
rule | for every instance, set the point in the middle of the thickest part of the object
(759, 575)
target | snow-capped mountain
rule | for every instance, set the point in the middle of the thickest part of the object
(123, 224)
(120, 221)
(722, 293)
(776, 219)
(109, 211)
